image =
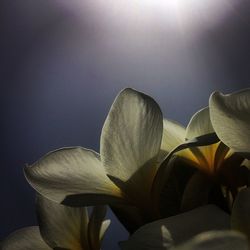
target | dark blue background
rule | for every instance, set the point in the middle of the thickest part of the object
(61, 68)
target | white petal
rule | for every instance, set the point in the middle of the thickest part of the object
(240, 217)
(131, 137)
(216, 240)
(62, 226)
(165, 168)
(28, 238)
(178, 228)
(230, 116)
(173, 135)
(199, 124)
(73, 176)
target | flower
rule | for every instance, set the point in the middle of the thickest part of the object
(175, 134)
(124, 170)
(60, 227)
(217, 163)
(123, 175)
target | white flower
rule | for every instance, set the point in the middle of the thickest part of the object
(60, 227)
(217, 163)
(124, 174)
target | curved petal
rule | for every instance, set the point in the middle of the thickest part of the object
(199, 124)
(62, 226)
(163, 172)
(178, 228)
(173, 135)
(73, 176)
(131, 136)
(216, 240)
(230, 116)
(240, 217)
(28, 238)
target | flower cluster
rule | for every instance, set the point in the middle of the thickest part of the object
(171, 187)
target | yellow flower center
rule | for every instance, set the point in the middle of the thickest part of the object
(209, 158)
(220, 163)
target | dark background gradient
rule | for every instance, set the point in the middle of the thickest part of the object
(61, 67)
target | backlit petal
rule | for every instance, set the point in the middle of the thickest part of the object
(28, 238)
(173, 135)
(62, 226)
(199, 124)
(230, 116)
(73, 176)
(131, 138)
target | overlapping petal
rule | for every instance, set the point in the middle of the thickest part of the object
(131, 139)
(62, 226)
(173, 135)
(199, 124)
(230, 116)
(178, 229)
(73, 176)
(28, 238)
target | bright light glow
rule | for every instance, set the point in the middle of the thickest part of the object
(151, 41)
(186, 15)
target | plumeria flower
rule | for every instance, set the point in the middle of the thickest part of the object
(217, 163)
(203, 228)
(60, 227)
(122, 175)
